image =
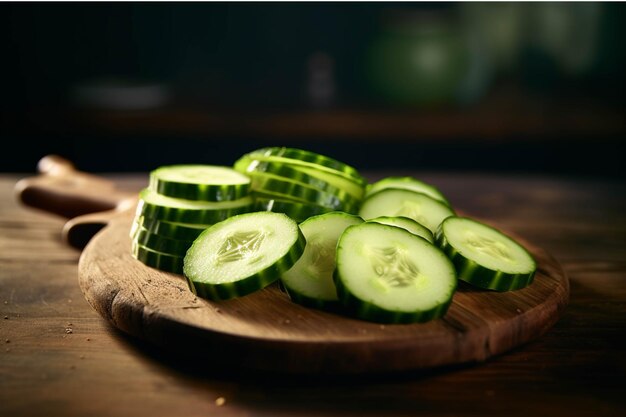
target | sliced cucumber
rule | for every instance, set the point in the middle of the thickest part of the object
(310, 158)
(296, 210)
(336, 200)
(134, 228)
(387, 274)
(304, 173)
(407, 224)
(160, 207)
(357, 178)
(242, 254)
(160, 243)
(182, 231)
(200, 182)
(158, 260)
(399, 202)
(270, 181)
(310, 281)
(484, 256)
(321, 180)
(407, 183)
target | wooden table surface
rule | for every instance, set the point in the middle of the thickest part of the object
(58, 357)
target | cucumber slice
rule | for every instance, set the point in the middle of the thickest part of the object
(242, 254)
(387, 274)
(134, 227)
(160, 207)
(200, 182)
(296, 210)
(484, 256)
(160, 243)
(398, 202)
(158, 260)
(357, 179)
(300, 192)
(309, 176)
(407, 183)
(181, 231)
(406, 224)
(312, 176)
(311, 158)
(310, 281)
(273, 182)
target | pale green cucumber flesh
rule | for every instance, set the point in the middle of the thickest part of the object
(484, 256)
(408, 183)
(400, 202)
(200, 175)
(243, 254)
(310, 280)
(387, 274)
(200, 182)
(407, 224)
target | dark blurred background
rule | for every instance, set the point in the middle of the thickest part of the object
(502, 87)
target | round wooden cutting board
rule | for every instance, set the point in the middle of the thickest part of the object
(266, 331)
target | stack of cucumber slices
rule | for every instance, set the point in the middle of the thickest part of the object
(389, 252)
(300, 183)
(180, 202)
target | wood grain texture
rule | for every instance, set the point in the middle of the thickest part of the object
(575, 369)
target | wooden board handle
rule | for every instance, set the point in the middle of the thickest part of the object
(76, 195)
